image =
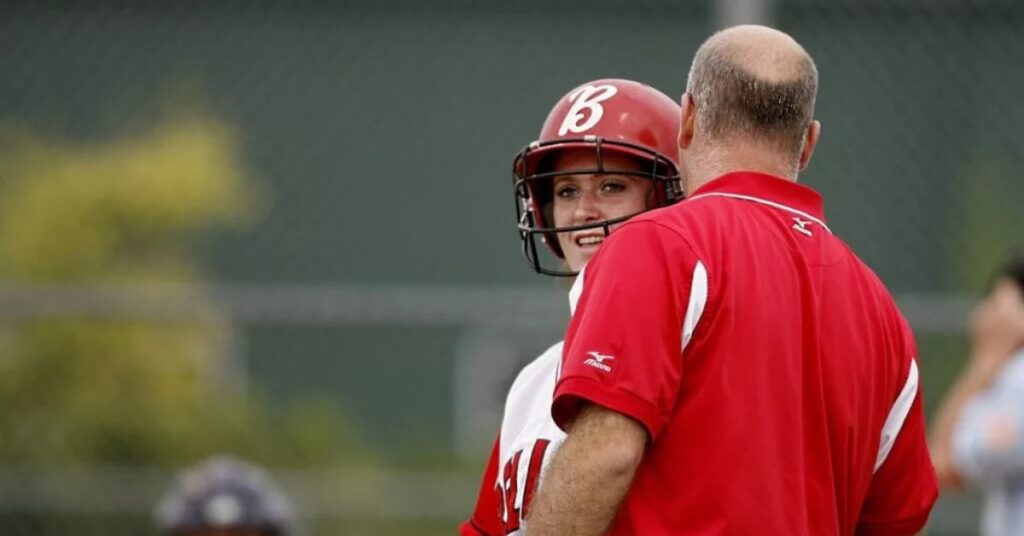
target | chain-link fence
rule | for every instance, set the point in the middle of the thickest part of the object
(285, 229)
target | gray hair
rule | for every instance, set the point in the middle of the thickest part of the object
(731, 100)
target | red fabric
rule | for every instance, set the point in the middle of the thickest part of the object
(769, 422)
(485, 520)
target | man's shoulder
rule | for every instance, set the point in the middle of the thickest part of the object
(649, 239)
(860, 279)
(679, 221)
(868, 276)
(704, 225)
(705, 208)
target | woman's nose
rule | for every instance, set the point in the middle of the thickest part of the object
(587, 208)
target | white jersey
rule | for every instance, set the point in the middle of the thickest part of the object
(527, 440)
(528, 435)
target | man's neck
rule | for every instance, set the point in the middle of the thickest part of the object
(717, 163)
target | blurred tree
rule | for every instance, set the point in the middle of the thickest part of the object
(132, 390)
(987, 226)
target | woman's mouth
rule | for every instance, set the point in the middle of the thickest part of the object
(589, 240)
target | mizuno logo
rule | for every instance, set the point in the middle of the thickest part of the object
(801, 226)
(597, 361)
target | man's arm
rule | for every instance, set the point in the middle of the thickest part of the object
(589, 475)
(903, 488)
(640, 300)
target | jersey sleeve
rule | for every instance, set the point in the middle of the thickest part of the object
(485, 521)
(904, 487)
(988, 441)
(642, 295)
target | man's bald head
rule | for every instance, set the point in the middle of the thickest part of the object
(754, 82)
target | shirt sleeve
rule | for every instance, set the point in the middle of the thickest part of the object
(988, 441)
(485, 521)
(904, 487)
(623, 348)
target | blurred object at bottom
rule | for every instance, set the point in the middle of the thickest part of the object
(224, 496)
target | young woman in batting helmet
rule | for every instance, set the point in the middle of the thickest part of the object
(627, 128)
(606, 152)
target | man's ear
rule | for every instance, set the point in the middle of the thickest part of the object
(810, 142)
(686, 122)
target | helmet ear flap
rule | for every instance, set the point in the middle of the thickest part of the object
(528, 233)
(551, 241)
(528, 224)
(537, 193)
(543, 219)
(667, 187)
(538, 204)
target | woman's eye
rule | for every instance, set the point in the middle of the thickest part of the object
(566, 191)
(613, 187)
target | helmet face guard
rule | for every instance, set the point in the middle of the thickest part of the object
(534, 193)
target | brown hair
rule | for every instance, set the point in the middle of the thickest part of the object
(1014, 269)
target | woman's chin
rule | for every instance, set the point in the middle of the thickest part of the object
(578, 262)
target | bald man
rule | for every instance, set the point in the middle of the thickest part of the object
(731, 367)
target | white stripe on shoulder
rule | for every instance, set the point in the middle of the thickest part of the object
(773, 204)
(576, 291)
(897, 415)
(698, 299)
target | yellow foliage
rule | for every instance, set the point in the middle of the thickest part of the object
(988, 222)
(118, 208)
(142, 390)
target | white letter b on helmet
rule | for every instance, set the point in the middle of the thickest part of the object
(587, 98)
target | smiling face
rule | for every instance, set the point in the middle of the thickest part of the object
(591, 198)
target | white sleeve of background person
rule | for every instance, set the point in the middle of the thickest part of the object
(988, 441)
(898, 415)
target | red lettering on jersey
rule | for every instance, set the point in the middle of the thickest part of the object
(533, 472)
(511, 481)
(500, 501)
(508, 489)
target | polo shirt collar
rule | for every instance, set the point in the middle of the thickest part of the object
(764, 188)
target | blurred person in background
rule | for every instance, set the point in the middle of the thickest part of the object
(225, 497)
(978, 435)
(606, 152)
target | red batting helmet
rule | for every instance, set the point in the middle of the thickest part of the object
(609, 115)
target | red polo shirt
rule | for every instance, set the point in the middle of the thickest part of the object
(770, 366)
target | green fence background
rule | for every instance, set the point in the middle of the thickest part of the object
(302, 211)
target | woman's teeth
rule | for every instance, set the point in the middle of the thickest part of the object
(589, 240)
